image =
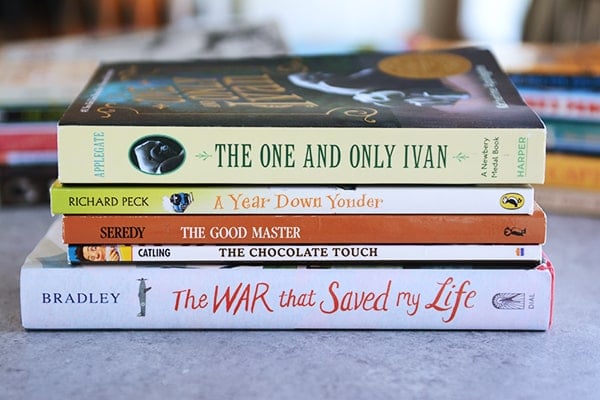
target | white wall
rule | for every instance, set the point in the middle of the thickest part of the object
(311, 26)
(325, 26)
(493, 20)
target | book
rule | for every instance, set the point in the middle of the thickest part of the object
(573, 136)
(570, 104)
(571, 201)
(290, 199)
(28, 143)
(571, 170)
(440, 117)
(307, 229)
(56, 295)
(456, 254)
(561, 81)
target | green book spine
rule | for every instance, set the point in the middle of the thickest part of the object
(305, 156)
(450, 117)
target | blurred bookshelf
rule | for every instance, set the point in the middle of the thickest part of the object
(28, 19)
(49, 50)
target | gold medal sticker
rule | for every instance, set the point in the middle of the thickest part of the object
(433, 65)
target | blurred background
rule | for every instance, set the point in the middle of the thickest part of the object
(49, 48)
(313, 26)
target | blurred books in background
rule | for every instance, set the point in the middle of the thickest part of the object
(561, 82)
(40, 77)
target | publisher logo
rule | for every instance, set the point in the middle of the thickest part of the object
(514, 231)
(512, 201)
(509, 301)
(156, 154)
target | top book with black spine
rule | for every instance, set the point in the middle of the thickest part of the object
(449, 116)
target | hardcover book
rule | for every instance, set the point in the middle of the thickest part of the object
(307, 229)
(290, 199)
(56, 295)
(440, 117)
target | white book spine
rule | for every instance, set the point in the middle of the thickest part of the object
(308, 253)
(104, 297)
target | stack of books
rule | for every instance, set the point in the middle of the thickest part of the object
(361, 191)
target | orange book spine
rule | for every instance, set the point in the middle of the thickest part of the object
(573, 171)
(314, 229)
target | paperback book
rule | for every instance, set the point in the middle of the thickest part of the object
(433, 117)
(453, 253)
(56, 295)
(291, 199)
(307, 229)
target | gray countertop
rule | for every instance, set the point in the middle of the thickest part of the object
(563, 362)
